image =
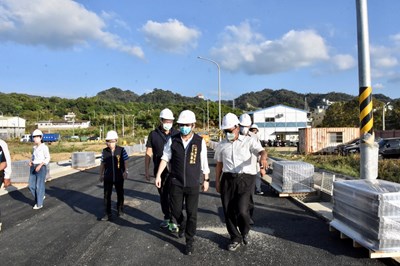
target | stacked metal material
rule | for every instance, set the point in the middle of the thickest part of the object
(368, 211)
(83, 159)
(20, 171)
(292, 176)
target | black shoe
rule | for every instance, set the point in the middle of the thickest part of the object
(233, 246)
(107, 217)
(251, 222)
(246, 239)
(189, 249)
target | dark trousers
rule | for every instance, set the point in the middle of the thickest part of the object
(189, 195)
(1, 183)
(119, 188)
(236, 190)
(164, 195)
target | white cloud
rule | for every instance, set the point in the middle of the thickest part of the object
(243, 49)
(57, 24)
(383, 57)
(344, 61)
(378, 86)
(172, 36)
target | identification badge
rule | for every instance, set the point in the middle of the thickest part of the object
(193, 154)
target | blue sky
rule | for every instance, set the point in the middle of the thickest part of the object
(74, 49)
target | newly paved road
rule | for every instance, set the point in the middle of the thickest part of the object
(67, 231)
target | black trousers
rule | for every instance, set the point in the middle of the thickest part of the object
(189, 195)
(1, 183)
(164, 195)
(119, 188)
(236, 190)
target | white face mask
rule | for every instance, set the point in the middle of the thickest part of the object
(167, 126)
(230, 136)
(244, 130)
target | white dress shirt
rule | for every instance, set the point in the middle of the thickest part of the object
(239, 156)
(40, 154)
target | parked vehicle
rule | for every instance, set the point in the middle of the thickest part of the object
(26, 138)
(47, 137)
(350, 147)
(389, 148)
(95, 138)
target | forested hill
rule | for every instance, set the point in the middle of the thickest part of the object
(269, 97)
(109, 101)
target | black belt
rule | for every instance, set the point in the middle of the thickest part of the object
(235, 175)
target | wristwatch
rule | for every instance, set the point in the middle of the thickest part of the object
(207, 180)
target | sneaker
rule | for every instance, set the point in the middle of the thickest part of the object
(173, 228)
(120, 212)
(0, 226)
(164, 224)
(189, 249)
(37, 207)
(44, 197)
(259, 193)
(246, 239)
(233, 246)
(107, 217)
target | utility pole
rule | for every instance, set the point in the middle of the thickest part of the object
(368, 148)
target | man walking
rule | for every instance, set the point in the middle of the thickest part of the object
(187, 155)
(5, 162)
(154, 148)
(234, 157)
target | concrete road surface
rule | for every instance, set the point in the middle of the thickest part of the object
(67, 230)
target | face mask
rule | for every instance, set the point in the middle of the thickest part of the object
(167, 126)
(185, 130)
(230, 136)
(244, 130)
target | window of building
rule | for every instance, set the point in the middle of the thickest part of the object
(335, 137)
(270, 119)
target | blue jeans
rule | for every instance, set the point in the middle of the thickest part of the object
(36, 183)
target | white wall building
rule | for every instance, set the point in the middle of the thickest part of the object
(280, 122)
(11, 127)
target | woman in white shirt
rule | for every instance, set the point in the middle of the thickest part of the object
(38, 168)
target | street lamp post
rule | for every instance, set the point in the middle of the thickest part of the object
(208, 118)
(388, 106)
(219, 88)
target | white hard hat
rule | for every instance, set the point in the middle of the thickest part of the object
(37, 132)
(111, 135)
(229, 121)
(254, 126)
(245, 120)
(186, 117)
(166, 114)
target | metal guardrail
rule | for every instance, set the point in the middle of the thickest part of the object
(20, 169)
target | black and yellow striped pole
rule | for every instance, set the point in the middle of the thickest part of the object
(368, 147)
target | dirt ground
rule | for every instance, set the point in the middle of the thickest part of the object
(23, 151)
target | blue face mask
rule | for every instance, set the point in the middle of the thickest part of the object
(185, 130)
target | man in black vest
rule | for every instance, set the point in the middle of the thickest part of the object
(113, 171)
(187, 154)
(154, 148)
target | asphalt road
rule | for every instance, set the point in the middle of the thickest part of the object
(67, 230)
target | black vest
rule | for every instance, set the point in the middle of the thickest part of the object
(186, 164)
(158, 140)
(114, 166)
